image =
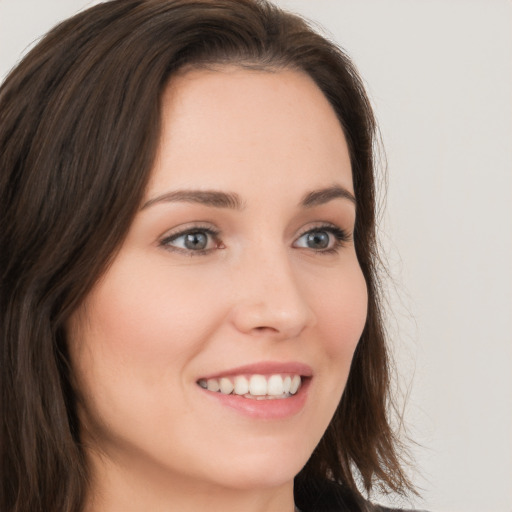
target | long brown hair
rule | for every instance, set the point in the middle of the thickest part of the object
(79, 127)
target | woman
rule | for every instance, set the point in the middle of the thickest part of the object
(190, 306)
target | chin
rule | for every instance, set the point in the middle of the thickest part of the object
(269, 477)
(268, 468)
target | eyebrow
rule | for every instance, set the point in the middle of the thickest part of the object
(212, 198)
(324, 195)
(233, 201)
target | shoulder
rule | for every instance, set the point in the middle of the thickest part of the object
(380, 508)
(328, 496)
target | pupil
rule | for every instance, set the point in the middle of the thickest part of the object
(196, 241)
(318, 240)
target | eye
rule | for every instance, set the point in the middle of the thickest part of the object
(326, 239)
(193, 241)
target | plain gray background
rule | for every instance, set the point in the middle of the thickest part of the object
(439, 73)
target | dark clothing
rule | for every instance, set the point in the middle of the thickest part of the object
(331, 497)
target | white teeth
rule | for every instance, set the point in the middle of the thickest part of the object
(257, 386)
(295, 384)
(241, 386)
(212, 385)
(275, 385)
(226, 386)
(287, 382)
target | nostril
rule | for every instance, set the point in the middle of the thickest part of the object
(265, 329)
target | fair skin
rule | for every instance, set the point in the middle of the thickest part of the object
(257, 273)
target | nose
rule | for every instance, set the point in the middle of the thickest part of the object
(269, 299)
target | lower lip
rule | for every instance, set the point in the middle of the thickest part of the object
(266, 409)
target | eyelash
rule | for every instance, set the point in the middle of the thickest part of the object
(213, 233)
(340, 238)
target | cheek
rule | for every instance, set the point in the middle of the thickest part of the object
(139, 318)
(341, 313)
(131, 343)
(341, 308)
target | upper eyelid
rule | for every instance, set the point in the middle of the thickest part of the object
(325, 226)
(319, 225)
(339, 233)
(187, 228)
(183, 230)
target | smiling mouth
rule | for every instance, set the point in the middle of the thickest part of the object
(256, 387)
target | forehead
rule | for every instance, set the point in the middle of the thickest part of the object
(222, 127)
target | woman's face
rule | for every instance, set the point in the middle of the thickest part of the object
(239, 271)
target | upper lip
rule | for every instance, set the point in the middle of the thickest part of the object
(265, 368)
